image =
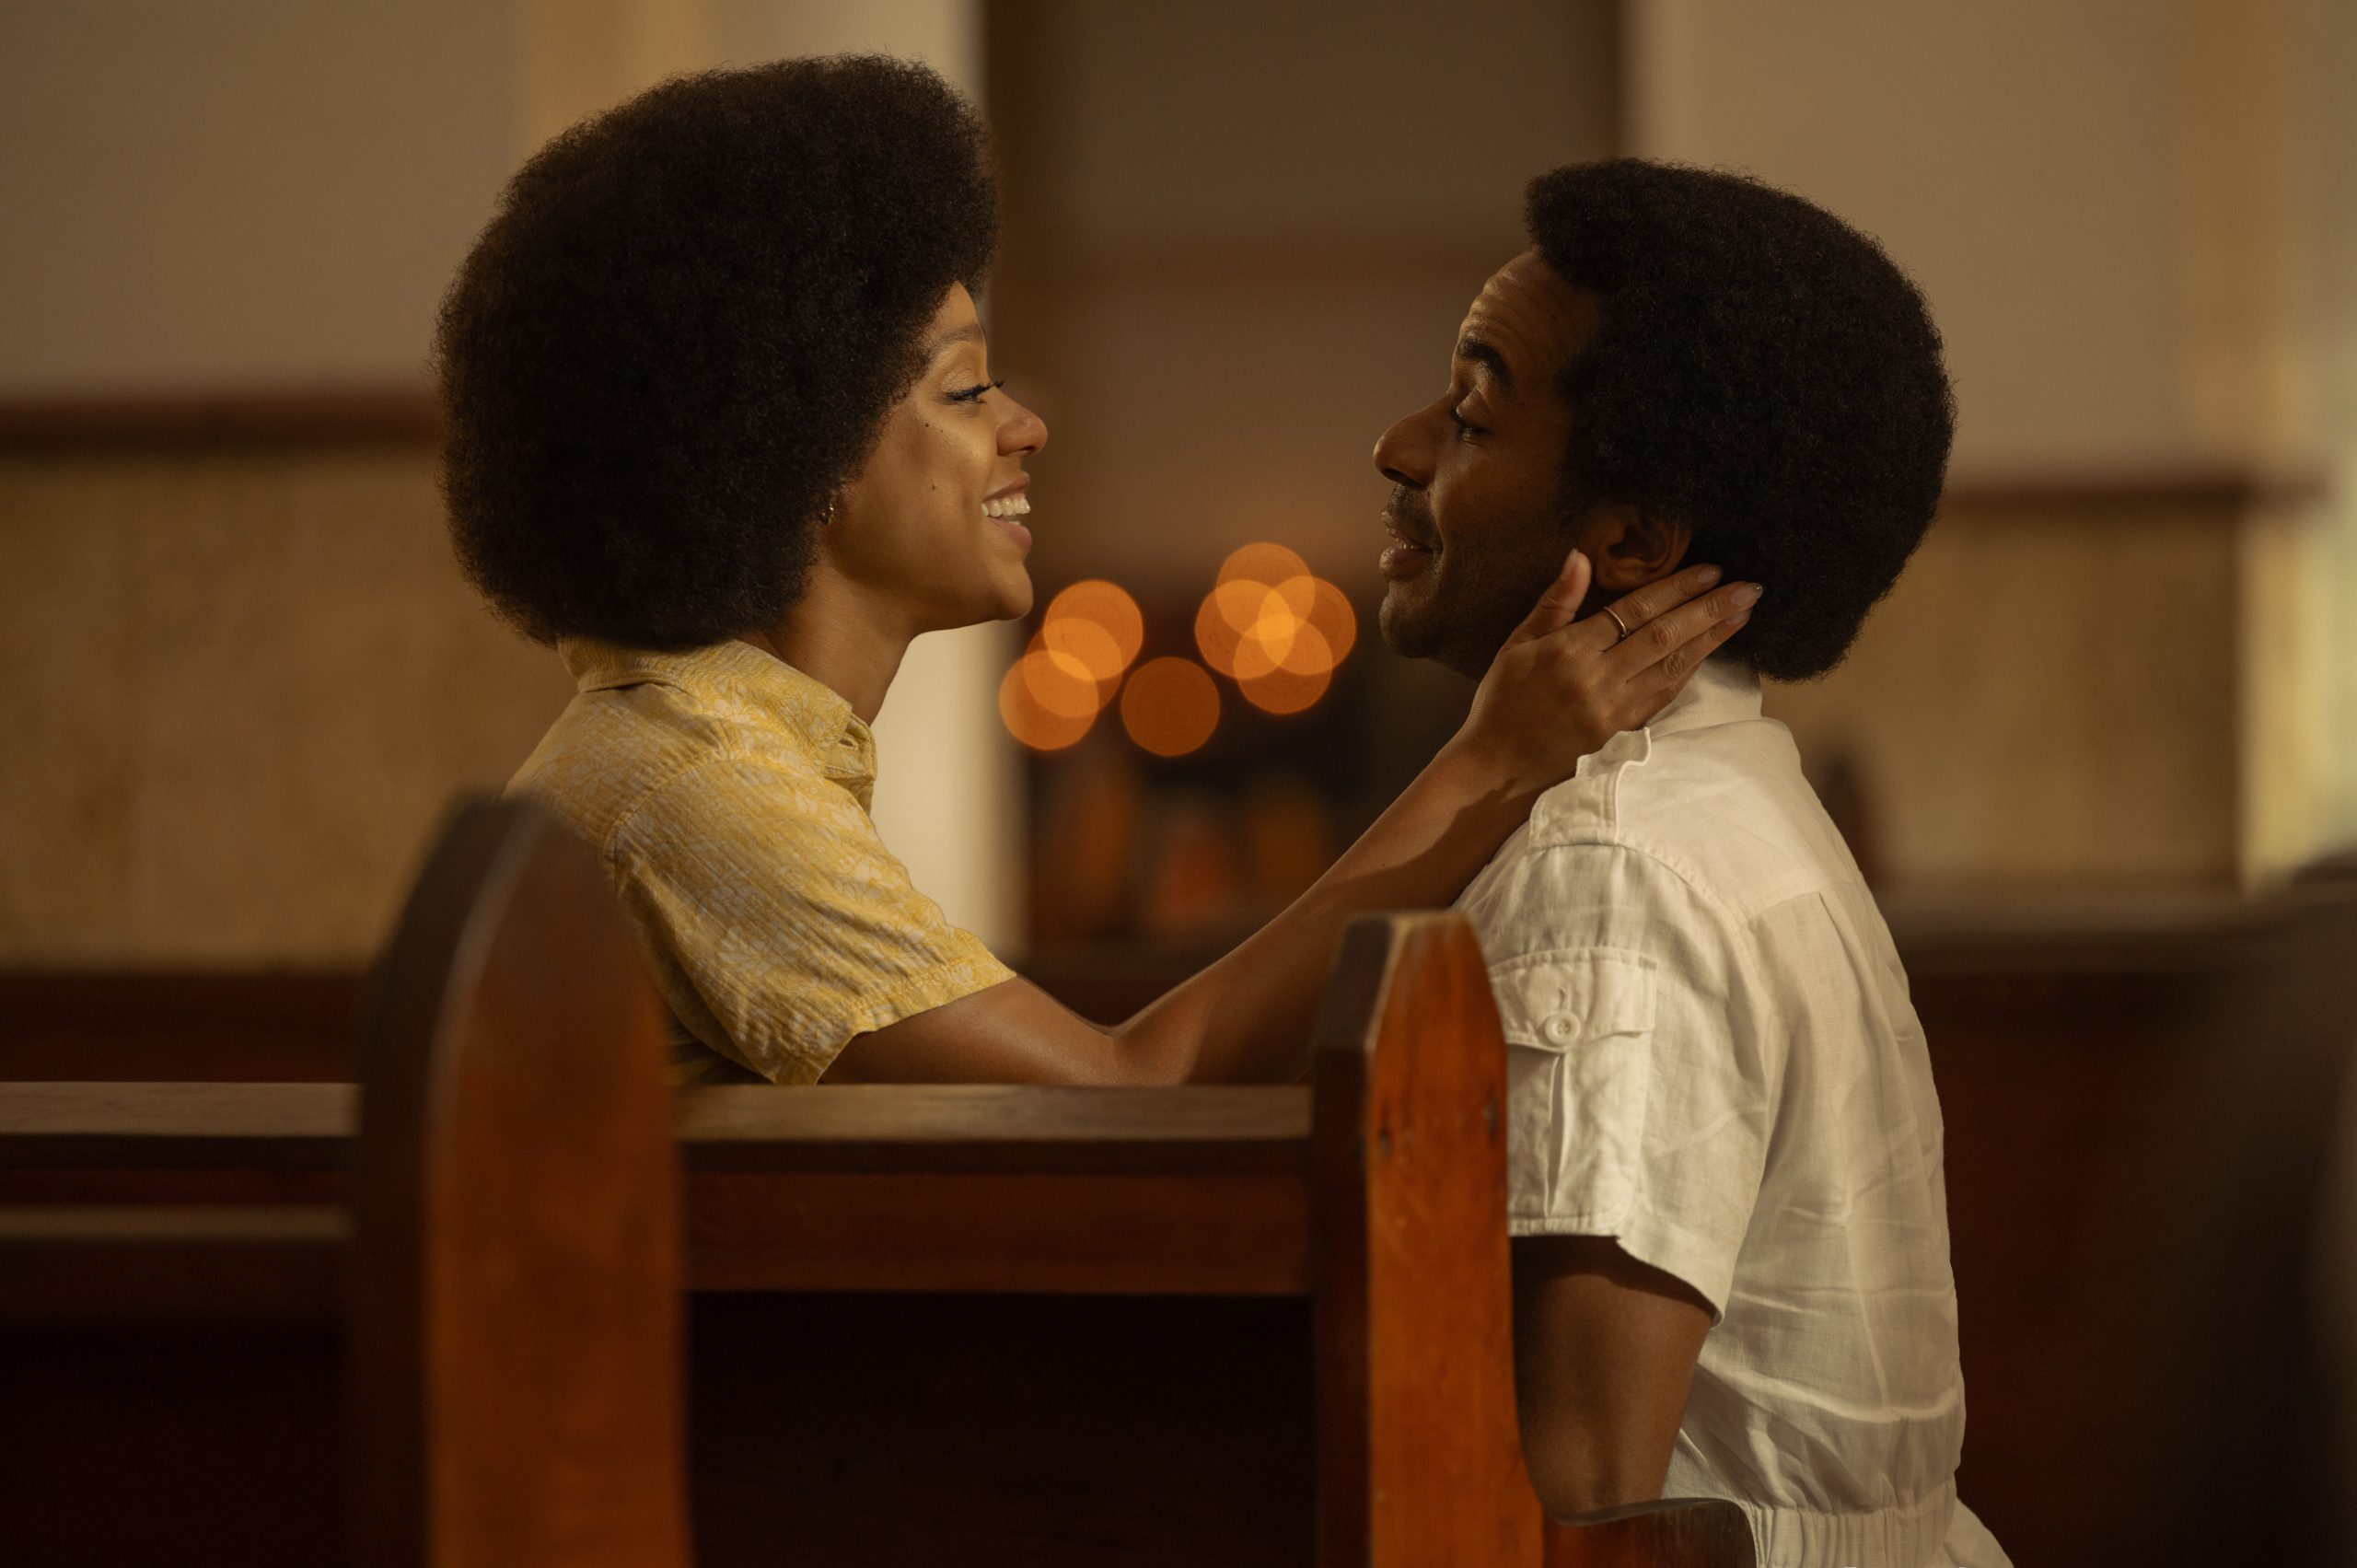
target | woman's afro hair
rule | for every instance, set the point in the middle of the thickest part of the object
(681, 332)
(1761, 372)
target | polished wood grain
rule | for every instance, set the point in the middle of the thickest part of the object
(516, 1325)
(975, 1127)
(1412, 1300)
(182, 1126)
(939, 1128)
(499, 1272)
(994, 1326)
(1186, 1192)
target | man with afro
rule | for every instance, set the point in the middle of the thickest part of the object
(1731, 1254)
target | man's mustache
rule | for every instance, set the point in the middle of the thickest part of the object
(1412, 514)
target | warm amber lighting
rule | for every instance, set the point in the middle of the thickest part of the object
(1232, 612)
(1330, 612)
(1269, 626)
(1170, 706)
(1097, 622)
(1048, 699)
(1063, 680)
(1060, 683)
(1270, 565)
(1085, 648)
(1274, 629)
(1282, 691)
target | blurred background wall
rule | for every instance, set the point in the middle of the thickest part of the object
(246, 676)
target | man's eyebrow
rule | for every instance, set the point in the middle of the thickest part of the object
(1479, 353)
(972, 332)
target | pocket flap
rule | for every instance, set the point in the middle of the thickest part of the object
(1554, 1000)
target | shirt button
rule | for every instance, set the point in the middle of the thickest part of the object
(1558, 1028)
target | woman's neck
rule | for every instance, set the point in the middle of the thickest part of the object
(836, 636)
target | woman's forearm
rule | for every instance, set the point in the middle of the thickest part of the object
(1247, 1017)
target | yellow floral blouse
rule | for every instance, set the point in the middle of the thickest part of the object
(727, 795)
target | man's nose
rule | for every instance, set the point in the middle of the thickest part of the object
(1402, 456)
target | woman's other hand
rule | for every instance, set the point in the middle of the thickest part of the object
(1561, 688)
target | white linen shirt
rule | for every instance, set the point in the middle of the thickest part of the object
(1712, 1058)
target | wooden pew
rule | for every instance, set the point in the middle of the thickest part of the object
(2242, 1261)
(1021, 1325)
(501, 1270)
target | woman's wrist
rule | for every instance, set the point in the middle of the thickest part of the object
(1484, 780)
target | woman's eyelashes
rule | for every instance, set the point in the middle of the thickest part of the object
(977, 392)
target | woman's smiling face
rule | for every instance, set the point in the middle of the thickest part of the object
(933, 521)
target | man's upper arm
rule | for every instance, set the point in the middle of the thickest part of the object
(1639, 1095)
(1605, 1348)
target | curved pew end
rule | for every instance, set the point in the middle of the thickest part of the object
(517, 1332)
(1419, 1449)
(1419, 1457)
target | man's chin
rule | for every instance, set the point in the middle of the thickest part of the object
(1415, 631)
(1408, 630)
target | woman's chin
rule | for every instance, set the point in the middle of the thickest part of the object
(1016, 602)
(1006, 597)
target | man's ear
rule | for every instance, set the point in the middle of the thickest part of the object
(1632, 546)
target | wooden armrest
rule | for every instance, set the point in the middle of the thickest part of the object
(1675, 1532)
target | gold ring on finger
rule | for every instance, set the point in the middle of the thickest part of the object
(1618, 623)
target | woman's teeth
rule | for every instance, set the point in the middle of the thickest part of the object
(1011, 507)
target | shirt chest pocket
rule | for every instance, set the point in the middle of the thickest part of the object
(1579, 1077)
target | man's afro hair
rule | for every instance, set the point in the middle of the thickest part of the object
(1761, 372)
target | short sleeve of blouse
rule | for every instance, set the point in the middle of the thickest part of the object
(778, 923)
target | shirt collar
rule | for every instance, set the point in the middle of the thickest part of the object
(739, 674)
(1721, 691)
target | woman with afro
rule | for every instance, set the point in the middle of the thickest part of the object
(723, 430)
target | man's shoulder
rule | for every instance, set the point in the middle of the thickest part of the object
(1724, 809)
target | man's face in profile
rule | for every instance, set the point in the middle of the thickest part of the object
(1479, 513)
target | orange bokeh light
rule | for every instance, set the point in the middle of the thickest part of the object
(1274, 629)
(1060, 683)
(1329, 611)
(1295, 648)
(1024, 700)
(1097, 622)
(1236, 612)
(1270, 565)
(1282, 691)
(1170, 706)
(1083, 649)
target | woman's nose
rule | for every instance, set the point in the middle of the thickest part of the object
(1021, 431)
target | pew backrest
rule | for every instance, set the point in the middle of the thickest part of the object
(1377, 1193)
(516, 1327)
